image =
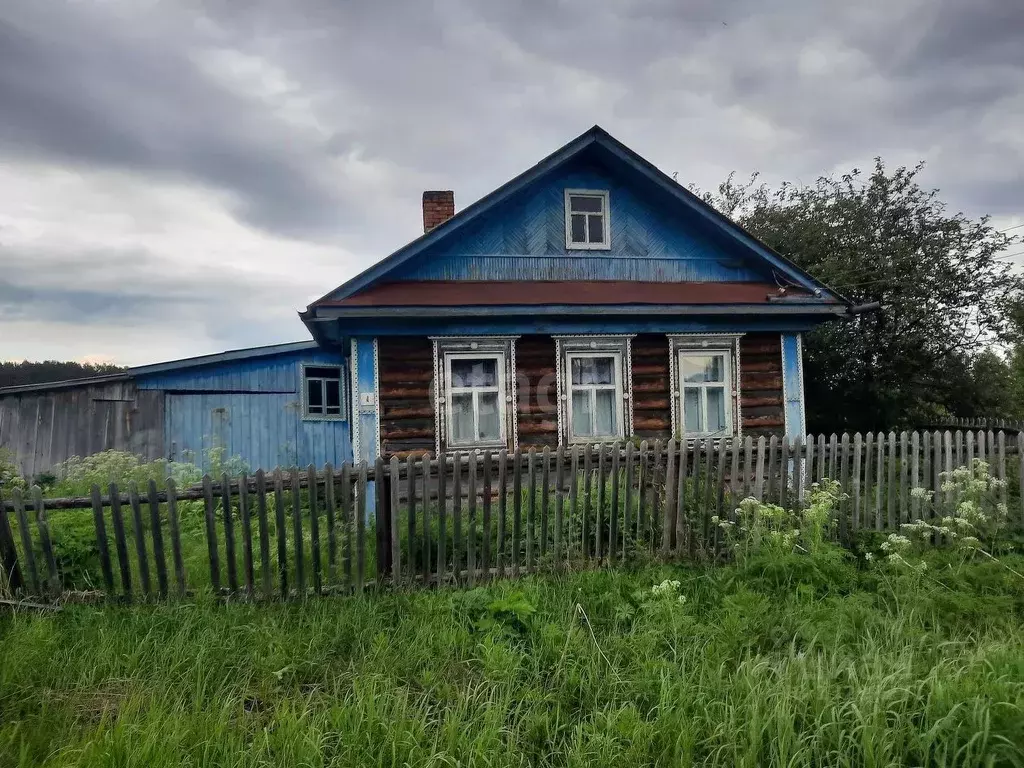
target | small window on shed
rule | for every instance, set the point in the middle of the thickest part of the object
(587, 219)
(323, 392)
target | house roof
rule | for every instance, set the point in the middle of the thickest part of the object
(599, 139)
(246, 353)
(440, 293)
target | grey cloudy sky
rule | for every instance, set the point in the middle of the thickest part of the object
(179, 178)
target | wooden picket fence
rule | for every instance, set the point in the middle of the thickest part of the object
(466, 518)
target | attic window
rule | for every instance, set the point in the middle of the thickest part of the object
(587, 219)
(323, 393)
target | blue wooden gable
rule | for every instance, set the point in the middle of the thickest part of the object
(523, 238)
(660, 232)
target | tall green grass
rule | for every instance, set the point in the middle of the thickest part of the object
(780, 663)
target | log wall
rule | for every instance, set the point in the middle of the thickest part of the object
(761, 384)
(406, 370)
(652, 382)
(536, 392)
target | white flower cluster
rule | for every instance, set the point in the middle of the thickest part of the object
(725, 525)
(666, 587)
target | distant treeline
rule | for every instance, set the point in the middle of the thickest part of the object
(15, 374)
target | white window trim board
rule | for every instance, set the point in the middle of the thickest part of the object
(500, 389)
(705, 343)
(474, 346)
(605, 212)
(304, 395)
(622, 344)
(616, 386)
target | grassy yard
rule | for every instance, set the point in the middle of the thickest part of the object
(802, 661)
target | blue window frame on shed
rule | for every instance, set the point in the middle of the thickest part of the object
(587, 220)
(323, 392)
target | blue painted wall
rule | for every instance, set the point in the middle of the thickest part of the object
(253, 408)
(792, 384)
(524, 239)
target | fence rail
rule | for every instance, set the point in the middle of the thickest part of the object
(467, 517)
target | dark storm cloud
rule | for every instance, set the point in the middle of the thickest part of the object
(77, 87)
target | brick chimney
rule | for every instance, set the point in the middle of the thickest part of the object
(438, 207)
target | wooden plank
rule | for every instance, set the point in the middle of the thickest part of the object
(654, 506)
(281, 525)
(926, 468)
(410, 513)
(501, 561)
(821, 458)
(1020, 476)
(531, 508)
(758, 468)
(869, 482)
(937, 474)
(785, 450)
(949, 454)
(517, 509)
(559, 485)
(855, 481)
(709, 490)
(833, 457)
(28, 553)
(426, 545)
(544, 498)
(43, 526)
(748, 465)
(627, 496)
(140, 541)
(244, 514)
(361, 491)
(229, 532)
(958, 449)
(880, 480)
(613, 506)
(734, 472)
(844, 484)
(574, 510)
(211, 533)
(643, 479)
(719, 489)
(471, 564)
(1000, 459)
(456, 514)
(904, 508)
(915, 475)
(602, 479)
(174, 528)
(681, 505)
(485, 548)
(9, 552)
(586, 533)
(121, 542)
(266, 574)
(799, 492)
(442, 521)
(100, 526)
(330, 510)
(159, 557)
(314, 532)
(382, 521)
(772, 491)
(393, 537)
(891, 509)
(298, 545)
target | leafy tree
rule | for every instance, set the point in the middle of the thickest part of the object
(946, 294)
(25, 372)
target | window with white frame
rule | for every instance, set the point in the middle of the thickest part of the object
(323, 394)
(475, 398)
(705, 391)
(594, 401)
(587, 219)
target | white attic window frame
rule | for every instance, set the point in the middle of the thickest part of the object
(606, 220)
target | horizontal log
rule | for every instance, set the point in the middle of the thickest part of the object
(752, 422)
(652, 385)
(761, 348)
(651, 422)
(760, 381)
(406, 433)
(405, 375)
(761, 401)
(762, 365)
(406, 411)
(650, 369)
(405, 391)
(651, 404)
(529, 409)
(538, 427)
